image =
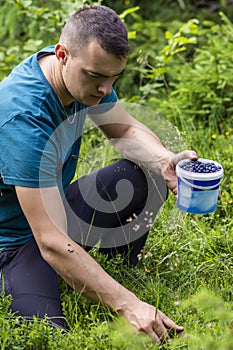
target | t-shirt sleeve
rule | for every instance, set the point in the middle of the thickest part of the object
(23, 159)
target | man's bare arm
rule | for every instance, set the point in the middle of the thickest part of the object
(44, 211)
(137, 142)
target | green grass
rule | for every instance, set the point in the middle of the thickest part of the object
(186, 269)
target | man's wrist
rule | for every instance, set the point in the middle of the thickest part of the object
(161, 163)
(124, 304)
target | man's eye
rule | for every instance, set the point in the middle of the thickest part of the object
(93, 75)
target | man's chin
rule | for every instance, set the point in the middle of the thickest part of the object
(94, 100)
(91, 101)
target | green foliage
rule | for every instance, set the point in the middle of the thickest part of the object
(217, 317)
(124, 337)
(194, 87)
(203, 89)
(157, 66)
(26, 26)
(180, 66)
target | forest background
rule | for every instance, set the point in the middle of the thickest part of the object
(180, 77)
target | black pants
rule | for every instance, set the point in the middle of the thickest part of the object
(114, 207)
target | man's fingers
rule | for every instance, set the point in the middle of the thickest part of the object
(162, 333)
(183, 155)
(169, 324)
(150, 331)
(154, 337)
(164, 325)
(152, 322)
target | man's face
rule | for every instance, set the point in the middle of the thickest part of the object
(90, 76)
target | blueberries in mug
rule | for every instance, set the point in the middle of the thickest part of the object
(200, 167)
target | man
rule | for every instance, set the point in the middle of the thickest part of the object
(45, 101)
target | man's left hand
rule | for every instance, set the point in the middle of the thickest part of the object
(169, 172)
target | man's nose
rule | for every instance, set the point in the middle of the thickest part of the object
(105, 87)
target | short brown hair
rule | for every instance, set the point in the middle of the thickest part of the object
(96, 22)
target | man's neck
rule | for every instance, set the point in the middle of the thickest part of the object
(52, 71)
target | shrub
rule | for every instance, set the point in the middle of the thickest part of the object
(198, 88)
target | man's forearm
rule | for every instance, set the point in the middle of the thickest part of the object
(132, 139)
(84, 274)
(48, 223)
(142, 146)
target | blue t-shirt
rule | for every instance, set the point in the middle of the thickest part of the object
(39, 145)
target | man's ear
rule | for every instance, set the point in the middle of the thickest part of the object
(61, 53)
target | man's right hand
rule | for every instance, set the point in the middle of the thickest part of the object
(147, 319)
(48, 222)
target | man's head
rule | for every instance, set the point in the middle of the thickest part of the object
(91, 55)
(98, 23)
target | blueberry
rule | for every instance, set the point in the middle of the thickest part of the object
(196, 166)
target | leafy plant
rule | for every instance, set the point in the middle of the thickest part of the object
(27, 26)
(217, 319)
(199, 89)
(186, 266)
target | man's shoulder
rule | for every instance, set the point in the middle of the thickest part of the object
(45, 50)
(25, 89)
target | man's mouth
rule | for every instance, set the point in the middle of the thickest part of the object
(97, 96)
